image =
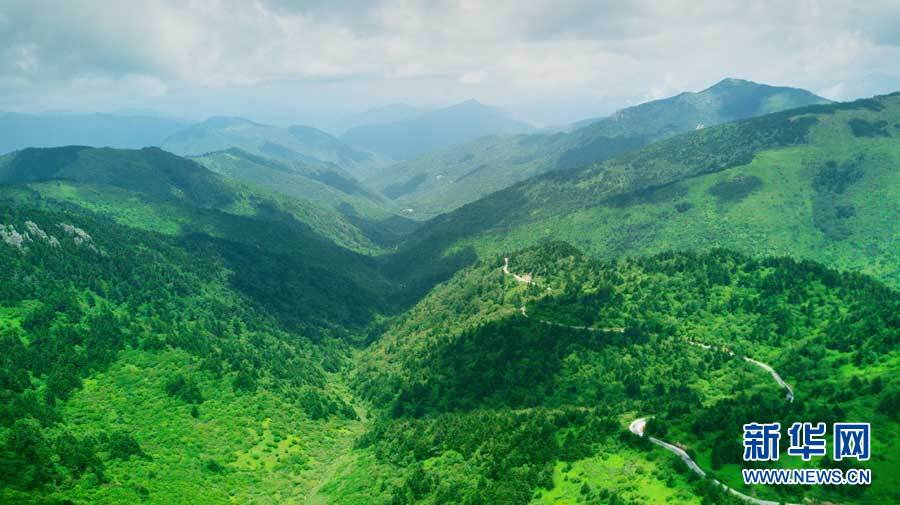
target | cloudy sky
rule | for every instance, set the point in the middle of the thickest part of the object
(548, 61)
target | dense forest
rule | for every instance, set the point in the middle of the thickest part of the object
(467, 354)
(80, 289)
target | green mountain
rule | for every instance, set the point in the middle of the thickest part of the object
(812, 183)
(156, 190)
(257, 234)
(294, 143)
(181, 330)
(443, 180)
(135, 366)
(18, 131)
(497, 390)
(433, 130)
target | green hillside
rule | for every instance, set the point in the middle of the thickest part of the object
(444, 180)
(500, 391)
(262, 239)
(294, 143)
(141, 367)
(136, 368)
(810, 183)
(158, 191)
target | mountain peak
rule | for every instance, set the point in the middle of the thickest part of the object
(731, 83)
(226, 121)
(469, 104)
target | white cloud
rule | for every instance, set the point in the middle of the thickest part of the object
(267, 57)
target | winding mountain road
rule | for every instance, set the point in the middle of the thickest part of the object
(638, 425)
(527, 279)
(778, 379)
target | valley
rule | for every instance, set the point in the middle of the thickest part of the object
(224, 321)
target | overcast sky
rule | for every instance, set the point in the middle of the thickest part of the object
(548, 61)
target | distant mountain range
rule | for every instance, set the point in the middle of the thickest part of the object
(293, 143)
(817, 182)
(379, 115)
(446, 179)
(18, 131)
(436, 129)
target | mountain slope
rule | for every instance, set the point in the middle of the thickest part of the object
(156, 190)
(433, 130)
(18, 131)
(135, 365)
(262, 238)
(441, 181)
(524, 380)
(294, 143)
(323, 184)
(813, 183)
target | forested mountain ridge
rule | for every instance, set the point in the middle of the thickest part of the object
(800, 182)
(321, 287)
(488, 350)
(149, 170)
(293, 143)
(728, 100)
(159, 191)
(444, 180)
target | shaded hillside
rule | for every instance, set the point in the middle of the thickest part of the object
(326, 185)
(150, 170)
(278, 256)
(158, 191)
(134, 363)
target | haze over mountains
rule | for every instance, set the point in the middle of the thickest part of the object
(293, 143)
(445, 179)
(18, 131)
(434, 129)
(392, 113)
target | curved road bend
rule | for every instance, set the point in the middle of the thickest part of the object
(637, 427)
(764, 366)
